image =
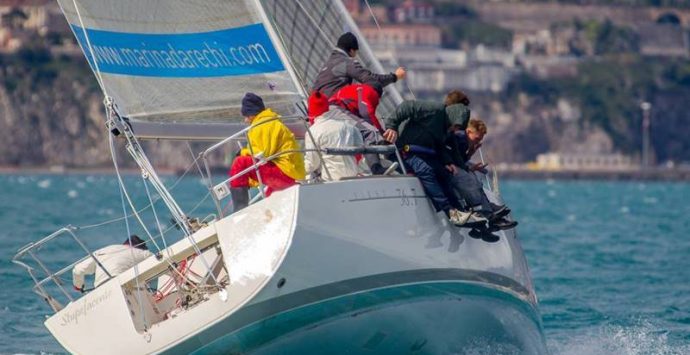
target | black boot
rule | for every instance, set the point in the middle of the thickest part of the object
(240, 198)
(377, 169)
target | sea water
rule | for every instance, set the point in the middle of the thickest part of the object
(610, 260)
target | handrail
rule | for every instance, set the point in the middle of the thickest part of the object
(30, 248)
(244, 130)
(221, 190)
(256, 164)
(236, 135)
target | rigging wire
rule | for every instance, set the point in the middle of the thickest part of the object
(302, 80)
(113, 154)
(196, 161)
(133, 147)
(373, 16)
(156, 199)
(155, 216)
(313, 21)
(123, 190)
(142, 159)
(158, 185)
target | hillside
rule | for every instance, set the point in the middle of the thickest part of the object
(51, 111)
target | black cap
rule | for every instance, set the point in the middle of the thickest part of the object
(347, 42)
(136, 242)
(252, 104)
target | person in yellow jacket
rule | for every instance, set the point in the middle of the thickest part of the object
(267, 136)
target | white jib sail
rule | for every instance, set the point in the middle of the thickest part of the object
(179, 68)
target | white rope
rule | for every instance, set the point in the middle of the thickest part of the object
(123, 192)
(155, 216)
(166, 259)
(110, 221)
(191, 152)
(156, 199)
(174, 208)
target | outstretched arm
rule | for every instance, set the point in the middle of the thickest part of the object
(356, 71)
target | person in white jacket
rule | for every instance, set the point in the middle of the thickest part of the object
(114, 258)
(335, 128)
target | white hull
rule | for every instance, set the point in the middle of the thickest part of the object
(354, 265)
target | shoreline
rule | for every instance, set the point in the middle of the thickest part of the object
(60, 170)
(651, 174)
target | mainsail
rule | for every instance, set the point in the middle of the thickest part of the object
(179, 68)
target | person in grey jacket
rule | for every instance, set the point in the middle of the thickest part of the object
(342, 68)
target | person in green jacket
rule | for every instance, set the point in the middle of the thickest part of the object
(419, 130)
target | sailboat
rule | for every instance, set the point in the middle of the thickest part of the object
(360, 265)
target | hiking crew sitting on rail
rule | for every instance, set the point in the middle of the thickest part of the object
(419, 130)
(341, 69)
(271, 139)
(334, 129)
(361, 100)
(114, 258)
(465, 184)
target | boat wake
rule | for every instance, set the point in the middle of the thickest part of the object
(641, 338)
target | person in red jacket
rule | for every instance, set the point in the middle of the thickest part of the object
(362, 100)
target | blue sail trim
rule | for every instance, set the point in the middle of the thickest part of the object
(230, 52)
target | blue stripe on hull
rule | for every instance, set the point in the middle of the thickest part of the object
(422, 318)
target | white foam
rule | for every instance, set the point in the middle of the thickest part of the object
(613, 339)
(650, 200)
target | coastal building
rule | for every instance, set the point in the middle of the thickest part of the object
(664, 40)
(584, 161)
(38, 15)
(396, 35)
(413, 11)
(433, 70)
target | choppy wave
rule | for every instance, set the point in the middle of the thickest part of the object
(642, 339)
(609, 260)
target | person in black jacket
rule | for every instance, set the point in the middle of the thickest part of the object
(419, 130)
(342, 68)
(463, 143)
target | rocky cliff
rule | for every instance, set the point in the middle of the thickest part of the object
(51, 113)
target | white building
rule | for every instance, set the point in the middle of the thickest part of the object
(441, 70)
(583, 161)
